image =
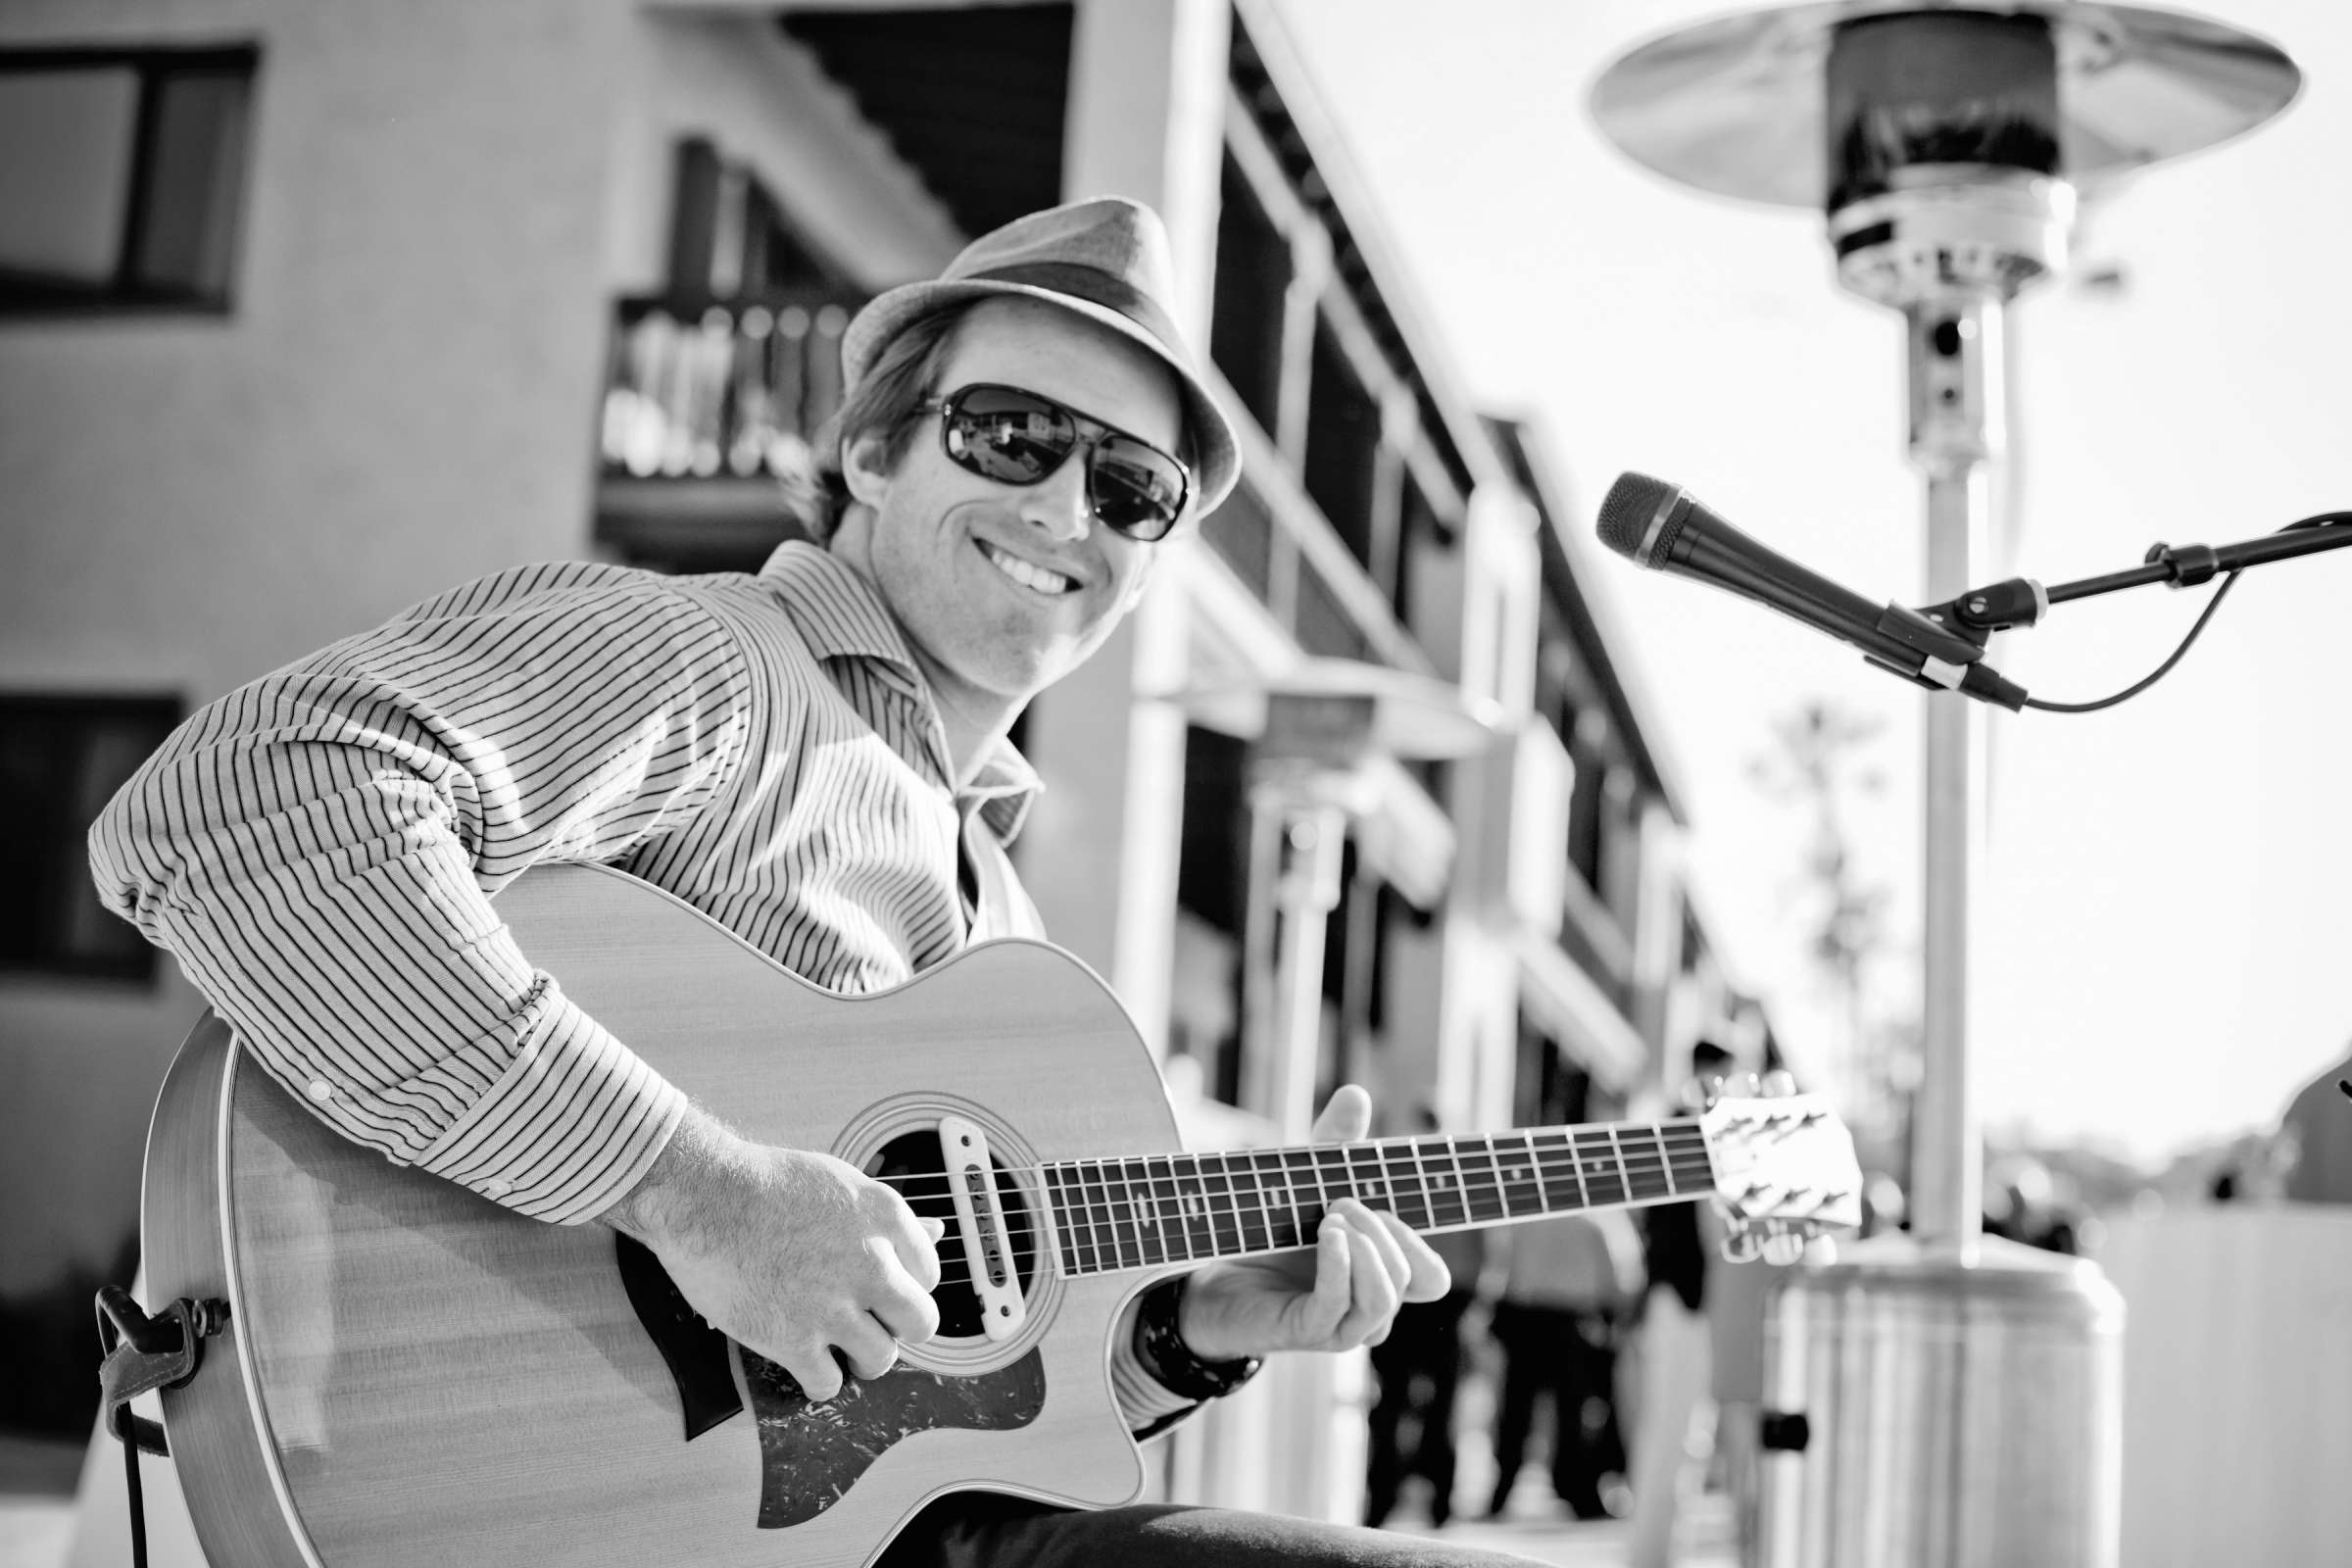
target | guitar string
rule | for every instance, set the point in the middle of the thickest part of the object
(1130, 1236)
(937, 1184)
(1598, 1166)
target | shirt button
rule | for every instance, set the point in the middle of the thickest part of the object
(497, 1189)
(321, 1090)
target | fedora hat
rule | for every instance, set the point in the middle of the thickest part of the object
(1108, 260)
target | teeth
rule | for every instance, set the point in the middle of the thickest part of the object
(1027, 576)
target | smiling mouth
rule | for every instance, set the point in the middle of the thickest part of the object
(1033, 577)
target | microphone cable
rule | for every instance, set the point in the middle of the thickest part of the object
(2229, 581)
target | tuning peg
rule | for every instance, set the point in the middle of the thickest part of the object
(1740, 1245)
(1783, 1246)
(1779, 1083)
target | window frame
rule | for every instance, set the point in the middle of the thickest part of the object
(65, 854)
(124, 292)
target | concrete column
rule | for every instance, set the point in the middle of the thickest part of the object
(1146, 120)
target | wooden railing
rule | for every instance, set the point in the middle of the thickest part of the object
(702, 388)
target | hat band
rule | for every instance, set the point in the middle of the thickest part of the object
(1097, 287)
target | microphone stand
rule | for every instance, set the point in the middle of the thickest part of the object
(2013, 602)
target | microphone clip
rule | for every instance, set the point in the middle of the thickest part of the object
(1996, 606)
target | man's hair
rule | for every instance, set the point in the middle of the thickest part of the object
(888, 401)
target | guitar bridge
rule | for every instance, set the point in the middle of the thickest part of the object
(986, 1239)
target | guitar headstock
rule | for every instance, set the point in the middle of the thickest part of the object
(1785, 1172)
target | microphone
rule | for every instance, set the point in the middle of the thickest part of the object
(1666, 528)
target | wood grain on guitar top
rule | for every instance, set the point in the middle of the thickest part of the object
(437, 1380)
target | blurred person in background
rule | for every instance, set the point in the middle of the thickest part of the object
(2022, 1204)
(1569, 1281)
(1675, 1344)
(2316, 1140)
(1419, 1367)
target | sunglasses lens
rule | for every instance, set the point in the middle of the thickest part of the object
(1135, 489)
(1008, 435)
(1017, 437)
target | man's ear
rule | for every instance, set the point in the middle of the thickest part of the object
(865, 467)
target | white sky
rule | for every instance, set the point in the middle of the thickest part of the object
(2171, 910)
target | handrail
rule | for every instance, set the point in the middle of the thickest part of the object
(699, 386)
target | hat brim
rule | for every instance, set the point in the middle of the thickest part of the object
(1216, 450)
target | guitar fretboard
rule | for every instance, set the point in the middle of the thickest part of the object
(1115, 1214)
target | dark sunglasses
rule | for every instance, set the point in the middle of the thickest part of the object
(1017, 437)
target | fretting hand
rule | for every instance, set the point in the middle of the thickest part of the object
(789, 1253)
(1342, 1293)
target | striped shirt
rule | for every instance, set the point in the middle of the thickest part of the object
(320, 848)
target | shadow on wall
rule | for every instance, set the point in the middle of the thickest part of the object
(49, 1351)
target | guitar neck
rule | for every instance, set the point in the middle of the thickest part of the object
(1150, 1211)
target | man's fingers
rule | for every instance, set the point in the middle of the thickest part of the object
(1430, 1277)
(906, 1310)
(1347, 1115)
(1334, 1280)
(1382, 1240)
(1374, 1290)
(916, 1243)
(813, 1369)
(872, 1350)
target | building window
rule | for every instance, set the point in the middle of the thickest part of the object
(61, 759)
(1343, 443)
(1253, 282)
(122, 176)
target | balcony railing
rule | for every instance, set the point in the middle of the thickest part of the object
(707, 402)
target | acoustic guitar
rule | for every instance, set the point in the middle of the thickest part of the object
(410, 1375)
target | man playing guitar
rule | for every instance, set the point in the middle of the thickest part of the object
(816, 758)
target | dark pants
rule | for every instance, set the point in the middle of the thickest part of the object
(1419, 1366)
(976, 1530)
(1569, 1353)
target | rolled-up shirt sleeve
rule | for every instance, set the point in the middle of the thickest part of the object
(319, 848)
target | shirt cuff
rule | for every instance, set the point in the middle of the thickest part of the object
(570, 1126)
(1145, 1402)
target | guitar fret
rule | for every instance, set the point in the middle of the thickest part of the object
(1244, 1170)
(1372, 1185)
(1297, 1164)
(1128, 1214)
(1502, 1186)
(1183, 1208)
(1487, 1203)
(1592, 1169)
(1331, 1164)
(1230, 1239)
(1076, 1255)
(1290, 1229)
(1096, 1203)
(1200, 1212)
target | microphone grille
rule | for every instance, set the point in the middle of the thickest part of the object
(1627, 510)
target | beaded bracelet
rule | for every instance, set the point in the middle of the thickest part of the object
(1161, 1349)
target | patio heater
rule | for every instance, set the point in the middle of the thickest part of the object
(1942, 1398)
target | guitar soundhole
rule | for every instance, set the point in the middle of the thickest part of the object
(913, 1164)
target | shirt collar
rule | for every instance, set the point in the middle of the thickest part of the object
(839, 615)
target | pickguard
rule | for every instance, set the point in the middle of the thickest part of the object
(812, 1453)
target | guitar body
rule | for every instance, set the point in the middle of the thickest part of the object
(413, 1375)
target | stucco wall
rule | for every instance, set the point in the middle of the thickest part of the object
(403, 397)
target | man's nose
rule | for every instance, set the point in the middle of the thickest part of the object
(1059, 504)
